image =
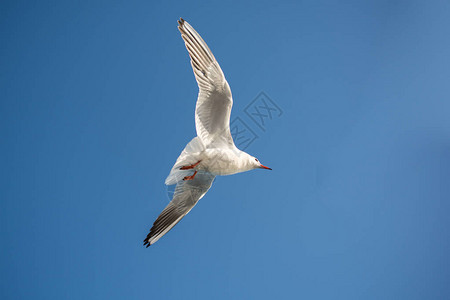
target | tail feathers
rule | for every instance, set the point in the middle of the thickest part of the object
(176, 175)
(186, 158)
(194, 146)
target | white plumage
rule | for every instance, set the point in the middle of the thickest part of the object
(213, 151)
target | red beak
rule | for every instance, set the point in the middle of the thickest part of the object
(264, 167)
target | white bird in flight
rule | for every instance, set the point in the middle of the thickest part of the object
(212, 152)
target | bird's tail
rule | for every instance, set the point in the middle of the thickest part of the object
(187, 157)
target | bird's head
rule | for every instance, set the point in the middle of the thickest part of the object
(254, 162)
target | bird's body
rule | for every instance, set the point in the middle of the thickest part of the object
(226, 161)
(213, 151)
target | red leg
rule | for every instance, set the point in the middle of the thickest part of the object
(191, 166)
(190, 177)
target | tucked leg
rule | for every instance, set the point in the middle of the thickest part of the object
(190, 177)
(191, 166)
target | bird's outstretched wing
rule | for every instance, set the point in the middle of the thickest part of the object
(213, 109)
(187, 193)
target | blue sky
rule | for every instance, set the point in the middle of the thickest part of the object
(97, 101)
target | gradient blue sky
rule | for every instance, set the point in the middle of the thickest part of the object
(97, 101)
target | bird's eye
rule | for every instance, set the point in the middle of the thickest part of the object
(256, 160)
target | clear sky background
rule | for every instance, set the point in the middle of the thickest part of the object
(97, 101)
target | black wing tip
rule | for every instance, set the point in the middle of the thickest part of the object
(147, 240)
(181, 25)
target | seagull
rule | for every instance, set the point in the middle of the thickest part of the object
(212, 152)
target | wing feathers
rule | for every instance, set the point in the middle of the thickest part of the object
(169, 217)
(214, 101)
(196, 39)
(201, 57)
(186, 196)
